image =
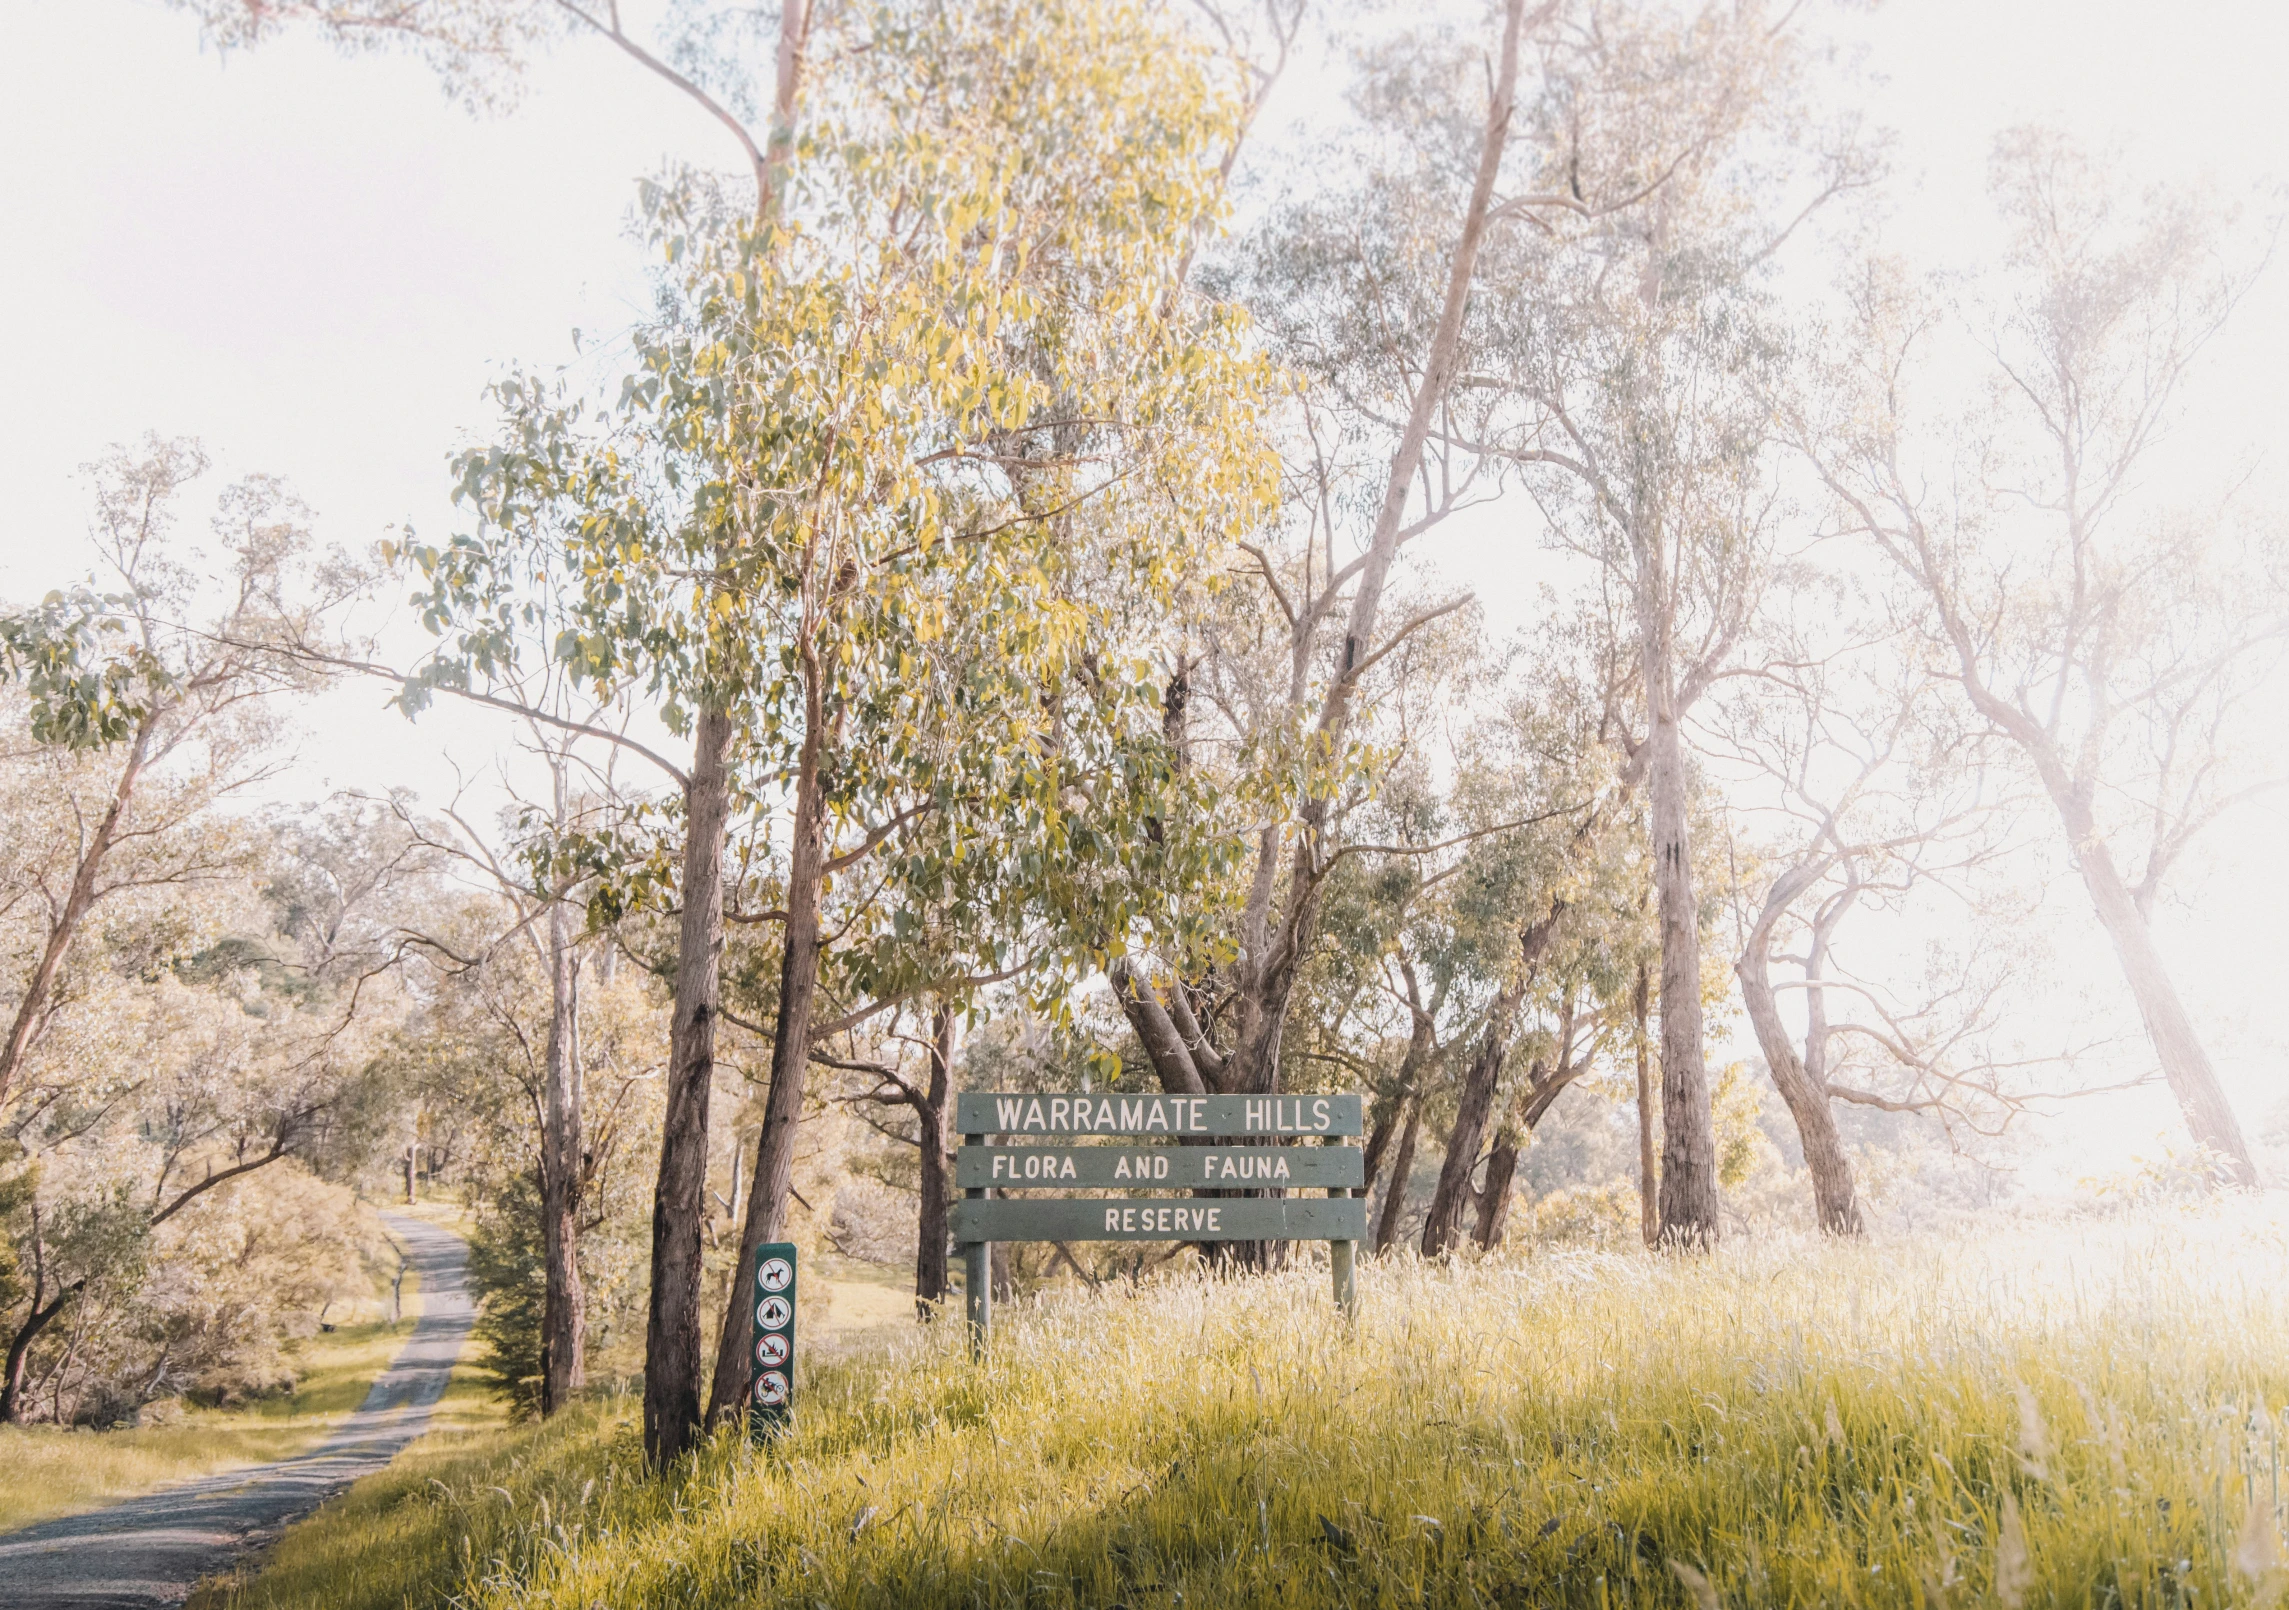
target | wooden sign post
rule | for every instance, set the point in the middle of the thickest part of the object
(773, 1400)
(1249, 1164)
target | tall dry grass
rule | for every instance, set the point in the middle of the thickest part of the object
(2085, 1414)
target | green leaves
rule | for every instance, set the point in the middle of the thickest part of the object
(90, 679)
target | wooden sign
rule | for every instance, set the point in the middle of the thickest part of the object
(987, 1113)
(772, 1400)
(1108, 1218)
(979, 1220)
(1032, 1168)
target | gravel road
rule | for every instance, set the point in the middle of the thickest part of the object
(151, 1550)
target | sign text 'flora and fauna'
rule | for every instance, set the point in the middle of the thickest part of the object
(1172, 1167)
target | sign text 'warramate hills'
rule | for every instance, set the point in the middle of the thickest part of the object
(991, 1113)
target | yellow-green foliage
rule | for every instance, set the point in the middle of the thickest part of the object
(2079, 1415)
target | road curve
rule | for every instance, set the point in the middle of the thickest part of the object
(152, 1550)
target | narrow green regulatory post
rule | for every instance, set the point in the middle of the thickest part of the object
(774, 1392)
(977, 1272)
(1342, 1256)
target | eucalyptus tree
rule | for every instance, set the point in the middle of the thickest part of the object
(480, 47)
(218, 1028)
(2115, 639)
(1626, 371)
(151, 697)
(1862, 793)
(532, 863)
(1286, 710)
(884, 460)
(1540, 910)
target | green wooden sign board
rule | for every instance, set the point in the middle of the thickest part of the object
(980, 1219)
(1034, 1168)
(1163, 1218)
(772, 1399)
(991, 1113)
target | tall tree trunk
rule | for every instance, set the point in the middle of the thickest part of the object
(1165, 1045)
(1480, 1080)
(1648, 1167)
(1397, 1098)
(1494, 1195)
(766, 1218)
(2185, 1062)
(671, 1336)
(672, 1340)
(1835, 1202)
(1688, 1193)
(564, 1367)
(932, 1281)
(1480, 1083)
(1395, 1194)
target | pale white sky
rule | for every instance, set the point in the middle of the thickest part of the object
(315, 265)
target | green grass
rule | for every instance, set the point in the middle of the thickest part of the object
(2079, 1415)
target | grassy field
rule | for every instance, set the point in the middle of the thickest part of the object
(2024, 1415)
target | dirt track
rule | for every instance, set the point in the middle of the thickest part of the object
(152, 1550)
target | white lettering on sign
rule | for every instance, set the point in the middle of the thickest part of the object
(1027, 1165)
(1287, 1115)
(1243, 1166)
(1078, 1115)
(1133, 1220)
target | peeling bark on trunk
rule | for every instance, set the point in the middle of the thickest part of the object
(671, 1336)
(1156, 1030)
(1687, 1198)
(1452, 1195)
(1402, 1093)
(932, 1281)
(790, 1054)
(1395, 1194)
(1480, 1084)
(1494, 1195)
(564, 1368)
